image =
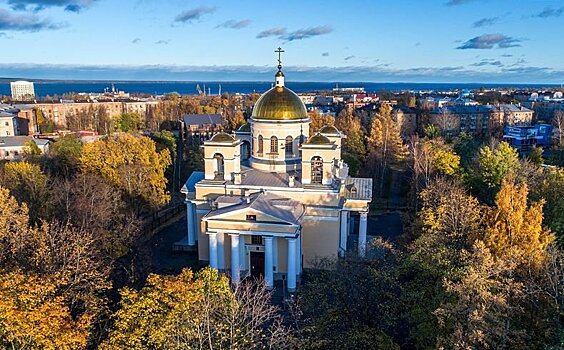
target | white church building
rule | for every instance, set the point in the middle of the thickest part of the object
(272, 200)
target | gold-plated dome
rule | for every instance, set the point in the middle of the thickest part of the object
(222, 137)
(319, 139)
(329, 130)
(279, 103)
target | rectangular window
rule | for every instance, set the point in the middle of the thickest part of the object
(256, 240)
(251, 218)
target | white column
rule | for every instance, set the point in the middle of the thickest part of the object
(213, 249)
(190, 224)
(242, 257)
(235, 251)
(299, 254)
(220, 251)
(291, 264)
(362, 233)
(275, 253)
(196, 222)
(268, 262)
(344, 233)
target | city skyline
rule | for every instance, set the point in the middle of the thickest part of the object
(497, 41)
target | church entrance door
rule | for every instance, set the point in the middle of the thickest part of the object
(257, 264)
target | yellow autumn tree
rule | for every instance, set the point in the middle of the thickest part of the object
(514, 228)
(28, 184)
(33, 316)
(385, 145)
(195, 311)
(132, 163)
(319, 120)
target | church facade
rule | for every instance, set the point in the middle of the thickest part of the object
(272, 200)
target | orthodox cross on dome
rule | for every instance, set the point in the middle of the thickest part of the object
(279, 51)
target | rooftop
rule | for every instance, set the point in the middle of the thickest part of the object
(283, 208)
(202, 119)
(357, 188)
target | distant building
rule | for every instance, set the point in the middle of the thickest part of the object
(22, 90)
(523, 138)
(510, 114)
(479, 119)
(406, 120)
(202, 127)
(13, 147)
(12, 125)
(59, 112)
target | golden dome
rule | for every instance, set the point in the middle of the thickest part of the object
(222, 137)
(279, 103)
(319, 139)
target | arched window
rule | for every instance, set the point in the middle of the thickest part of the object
(274, 144)
(260, 145)
(219, 164)
(289, 146)
(245, 150)
(316, 170)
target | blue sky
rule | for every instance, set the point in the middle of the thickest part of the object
(383, 41)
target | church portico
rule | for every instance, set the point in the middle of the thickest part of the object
(247, 248)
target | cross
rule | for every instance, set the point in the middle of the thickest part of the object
(279, 51)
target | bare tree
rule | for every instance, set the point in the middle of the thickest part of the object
(558, 122)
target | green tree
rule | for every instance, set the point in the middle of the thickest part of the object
(64, 156)
(352, 303)
(535, 156)
(485, 300)
(493, 166)
(165, 139)
(128, 122)
(31, 149)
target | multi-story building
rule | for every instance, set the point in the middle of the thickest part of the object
(510, 114)
(22, 90)
(479, 119)
(58, 112)
(523, 138)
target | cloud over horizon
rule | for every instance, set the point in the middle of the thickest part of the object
(233, 24)
(486, 21)
(550, 12)
(307, 33)
(38, 5)
(25, 22)
(278, 31)
(490, 41)
(194, 14)
(457, 2)
(457, 74)
(299, 34)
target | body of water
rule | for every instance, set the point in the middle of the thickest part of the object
(44, 88)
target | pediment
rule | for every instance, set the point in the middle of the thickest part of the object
(247, 215)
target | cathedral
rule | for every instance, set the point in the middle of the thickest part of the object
(272, 199)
